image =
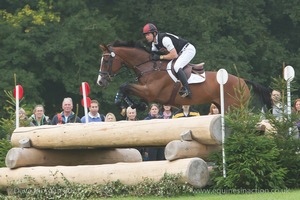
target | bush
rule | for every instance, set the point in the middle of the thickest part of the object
(252, 159)
(5, 146)
(168, 186)
(289, 148)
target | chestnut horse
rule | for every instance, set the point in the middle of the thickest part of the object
(155, 85)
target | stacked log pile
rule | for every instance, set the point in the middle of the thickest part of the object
(97, 153)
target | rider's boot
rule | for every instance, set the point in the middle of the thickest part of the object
(185, 90)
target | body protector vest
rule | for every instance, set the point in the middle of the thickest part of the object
(178, 42)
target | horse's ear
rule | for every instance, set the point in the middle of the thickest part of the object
(103, 47)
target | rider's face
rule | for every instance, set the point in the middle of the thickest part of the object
(149, 37)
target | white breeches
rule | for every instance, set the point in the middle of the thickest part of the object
(187, 54)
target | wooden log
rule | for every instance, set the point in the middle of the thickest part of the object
(156, 132)
(23, 157)
(188, 149)
(193, 171)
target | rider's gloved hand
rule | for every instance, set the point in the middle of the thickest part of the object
(155, 57)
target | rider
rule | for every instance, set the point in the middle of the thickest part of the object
(176, 48)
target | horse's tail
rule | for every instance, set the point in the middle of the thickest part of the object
(264, 93)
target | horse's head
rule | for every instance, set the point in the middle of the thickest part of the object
(109, 65)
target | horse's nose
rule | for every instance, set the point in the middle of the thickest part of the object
(102, 83)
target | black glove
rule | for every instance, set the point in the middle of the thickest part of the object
(155, 57)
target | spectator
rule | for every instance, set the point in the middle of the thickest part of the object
(38, 118)
(213, 110)
(153, 112)
(131, 114)
(277, 108)
(167, 112)
(67, 115)
(154, 153)
(22, 114)
(296, 109)
(110, 117)
(94, 115)
(23, 119)
(186, 111)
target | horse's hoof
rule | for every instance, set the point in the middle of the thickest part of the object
(142, 106)
(133, 106)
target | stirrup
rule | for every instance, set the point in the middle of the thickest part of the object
(183, 92)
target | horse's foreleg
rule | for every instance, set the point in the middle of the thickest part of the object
(122, 98)
(128, 89)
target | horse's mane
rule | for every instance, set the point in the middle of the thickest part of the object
(131, 44)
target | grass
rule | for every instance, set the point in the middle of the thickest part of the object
(277, 195)
(217, 195)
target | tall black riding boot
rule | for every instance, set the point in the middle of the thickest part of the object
(185, 91)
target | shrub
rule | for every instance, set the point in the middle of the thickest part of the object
(5, 146)
(289, 148)
(252, 159)
(168, 186)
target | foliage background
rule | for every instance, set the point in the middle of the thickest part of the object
(52, 46)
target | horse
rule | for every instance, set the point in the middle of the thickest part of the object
(154, 84)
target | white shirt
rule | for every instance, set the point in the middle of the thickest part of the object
(166, 41)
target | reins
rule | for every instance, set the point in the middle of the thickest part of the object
(153, 68)
(139, 73)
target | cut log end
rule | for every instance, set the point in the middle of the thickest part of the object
(25, 143)
(186, 136)
(12, 157)
(197, 173)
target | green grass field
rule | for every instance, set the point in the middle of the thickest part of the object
(217, 195)
(284, 195)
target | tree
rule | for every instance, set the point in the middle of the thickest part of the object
(53, 45)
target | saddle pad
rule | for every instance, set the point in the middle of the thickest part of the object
(195, 78)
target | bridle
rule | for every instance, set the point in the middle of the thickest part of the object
(112, 55)
(108, 74)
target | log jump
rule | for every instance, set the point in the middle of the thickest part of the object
(97, 153)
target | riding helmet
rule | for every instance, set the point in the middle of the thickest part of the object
(149, 28)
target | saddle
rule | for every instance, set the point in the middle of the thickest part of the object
(190, 68)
